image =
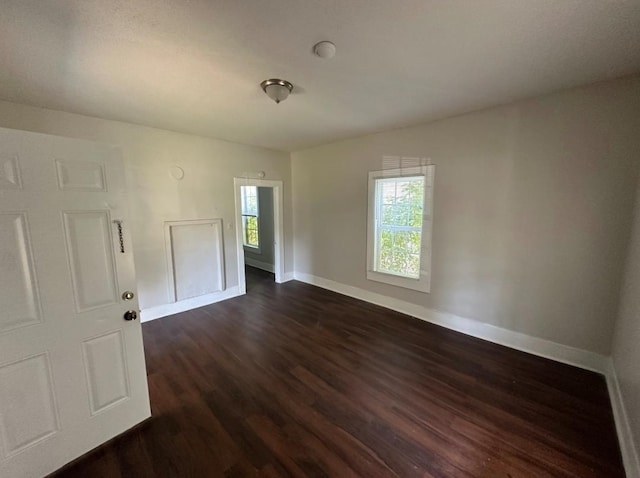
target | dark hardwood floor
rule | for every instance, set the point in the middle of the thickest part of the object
(293, 380)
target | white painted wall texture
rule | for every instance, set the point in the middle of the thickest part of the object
(531, 219)
(155, 197)
(626, 341)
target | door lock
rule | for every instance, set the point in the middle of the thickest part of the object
(130, 315)
(128, 295)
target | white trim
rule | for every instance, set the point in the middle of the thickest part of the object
(526, 343)
(278, 227)
(623, 427)
(288, 276)
(423, 282)
(171, 276)
(159, 311)
(265, 266)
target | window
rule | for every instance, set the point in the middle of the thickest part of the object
(399, 233)
(250, 214)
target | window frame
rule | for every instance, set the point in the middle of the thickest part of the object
(423, 282)
(248, 247)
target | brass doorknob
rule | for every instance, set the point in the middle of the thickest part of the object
(130, 315)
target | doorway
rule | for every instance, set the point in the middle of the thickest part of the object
(259, 231)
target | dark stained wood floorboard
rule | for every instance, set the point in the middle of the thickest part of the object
(293, 380)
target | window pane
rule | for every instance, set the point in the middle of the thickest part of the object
(252, 205)
(414, 242)
(399, 253)
(402, 215)
(388, 192)
(415, 216)
(387, 216)
(249, 204)
(250, 231)
(249, 196)
(399, 225)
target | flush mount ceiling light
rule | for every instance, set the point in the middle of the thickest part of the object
(277, 90)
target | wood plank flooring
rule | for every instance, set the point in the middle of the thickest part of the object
(293, 380)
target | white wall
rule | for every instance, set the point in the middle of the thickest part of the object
(206, 191)
(531, 220)
(265, 259)
(626, 341)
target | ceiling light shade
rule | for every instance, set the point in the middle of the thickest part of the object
(277, 90)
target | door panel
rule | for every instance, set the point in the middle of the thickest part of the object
(81, 175)
(10, 173)
(19, 296)
(72, 371)
(90, 249)
(28, 413)
(105, 365)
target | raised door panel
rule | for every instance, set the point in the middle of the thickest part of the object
(81, 175)
(90, 250)
(18, 287)
(28, 412)
(105, 367)
(10, 177)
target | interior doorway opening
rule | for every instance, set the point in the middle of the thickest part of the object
(256, 203)
(259, 231)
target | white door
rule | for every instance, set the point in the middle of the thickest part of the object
(72, 371)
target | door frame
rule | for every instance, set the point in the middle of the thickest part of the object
(278, 227)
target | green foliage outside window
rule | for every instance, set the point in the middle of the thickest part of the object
(249, 196)
(400, 203)
(250, 226)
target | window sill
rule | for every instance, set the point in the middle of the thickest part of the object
(421, 285)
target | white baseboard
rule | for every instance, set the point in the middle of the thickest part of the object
(286, 277)
(516, 340)
(258, 264)
(159, 311)
(625, 435)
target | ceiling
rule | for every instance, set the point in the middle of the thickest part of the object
(195, 65)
